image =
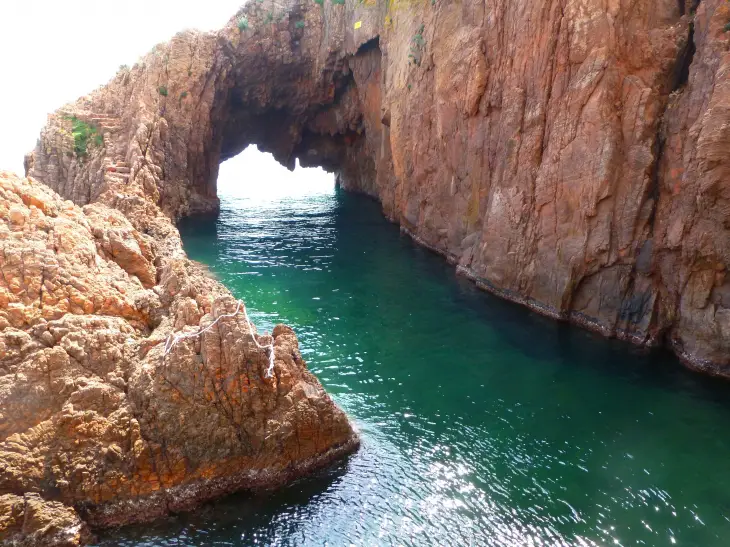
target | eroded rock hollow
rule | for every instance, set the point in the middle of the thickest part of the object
(567, 155)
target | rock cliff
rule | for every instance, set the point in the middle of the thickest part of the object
(567, 155)
(570, 155)
(103, 420)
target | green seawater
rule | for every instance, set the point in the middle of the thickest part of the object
(482, 423)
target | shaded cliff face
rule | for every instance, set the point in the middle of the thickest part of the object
(100, 414)
(565, 155)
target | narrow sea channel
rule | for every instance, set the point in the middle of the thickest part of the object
(482, 423)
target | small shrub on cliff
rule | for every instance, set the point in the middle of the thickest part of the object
(418, 42)
(162, 90)
(83, 133)
(319, 2)
(339, 2)
(269, 17)
(243, 24)
(418, 37)
(299, 24)
(726, 28)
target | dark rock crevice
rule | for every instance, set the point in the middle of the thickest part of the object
(684, 61)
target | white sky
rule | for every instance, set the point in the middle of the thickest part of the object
(256, 175)
(53, 51)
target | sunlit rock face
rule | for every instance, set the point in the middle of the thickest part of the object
(570, 157)
(103, 419)
(30, 521)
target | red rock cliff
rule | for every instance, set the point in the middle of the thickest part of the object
(567, 155)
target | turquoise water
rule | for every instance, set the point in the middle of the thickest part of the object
(482, 423)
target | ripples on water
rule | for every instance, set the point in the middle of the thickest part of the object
(482, 423)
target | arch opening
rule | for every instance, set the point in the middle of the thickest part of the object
(257, 175)
(332, 122)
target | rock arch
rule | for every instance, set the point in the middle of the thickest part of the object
(94, 290)
(285, 83)
(545, 150)
(541, 149)
(549, 150)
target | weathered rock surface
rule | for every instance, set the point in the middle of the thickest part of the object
(570, 156)
(95, 418)
(29, 521)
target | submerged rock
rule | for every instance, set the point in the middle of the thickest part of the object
(95, 416)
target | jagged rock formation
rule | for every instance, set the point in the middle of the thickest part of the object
(29, 521)
(565, 155)
(95, 417)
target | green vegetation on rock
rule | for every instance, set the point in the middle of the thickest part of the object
(418, 43)
(83, 133)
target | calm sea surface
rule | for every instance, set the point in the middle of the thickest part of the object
(482, 423)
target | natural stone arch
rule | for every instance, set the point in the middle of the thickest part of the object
(130, 430)
(285, 83)
(562, 155)
(522, 141)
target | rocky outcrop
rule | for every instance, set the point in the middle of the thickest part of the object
(29, 521)
(564, 155)
(691, 232)
(101, 414)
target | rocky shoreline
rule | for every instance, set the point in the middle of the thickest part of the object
(579, 166)
(98, 426)
(572, 158)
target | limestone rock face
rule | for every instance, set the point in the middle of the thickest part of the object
(567, 156)
(100, 413)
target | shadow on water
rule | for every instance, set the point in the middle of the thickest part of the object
(537, 337)
(202, 227)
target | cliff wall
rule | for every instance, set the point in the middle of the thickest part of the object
(569, 155)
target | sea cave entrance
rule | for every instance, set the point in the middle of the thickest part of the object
(258, 175)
